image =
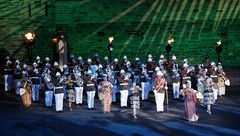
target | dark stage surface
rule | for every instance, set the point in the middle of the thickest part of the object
(39, 120)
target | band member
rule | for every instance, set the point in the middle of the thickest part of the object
(190, 102)
(40, 68)
(79, 86)
(221, 80)
(116, 66)
(144, 83)
(150, 70)
(25, 73)
(135, 98)
(124, 62)
(65, 73)
(70, 91)
(58, 92)
(105, 88)
(90, 89)
(17, 76)
(26, 92)
(213, 75)
(159, 91)
(176, 82)
(8, 73)
(35, 77)
(55, 68)
(48, 88)
(208, 96)
(123, 88)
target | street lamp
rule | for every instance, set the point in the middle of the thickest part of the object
(110, 47)
(219, 49)
(29, 39)
(169, 47)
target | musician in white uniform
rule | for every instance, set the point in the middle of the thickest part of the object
(58, 92)
(159, 91)
(79, 87)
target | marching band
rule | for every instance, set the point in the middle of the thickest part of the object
(106, 79)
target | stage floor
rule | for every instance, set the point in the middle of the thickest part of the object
(39, 120)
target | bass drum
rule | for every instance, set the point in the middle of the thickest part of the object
(27, 98)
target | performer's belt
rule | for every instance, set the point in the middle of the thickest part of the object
(59, 90)
(35, 80)
(124, 84)
(215, 79)
(90, 84)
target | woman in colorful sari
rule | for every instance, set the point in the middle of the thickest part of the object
(190, 102)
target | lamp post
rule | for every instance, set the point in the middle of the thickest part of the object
(219, 49)
(169, 47)
(29, 39)
(110, 47)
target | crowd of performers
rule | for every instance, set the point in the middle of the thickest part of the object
(134, 80)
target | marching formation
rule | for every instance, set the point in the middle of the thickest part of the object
(133, 80)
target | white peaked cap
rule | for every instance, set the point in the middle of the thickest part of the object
(213, 64)
(185, 60)
(47, 59)
(149, 59)
(37, 58)
(55, 63)
(157, 69)
(17, 61)
(115, 60)
(65, 66)
(100, 66)
(24, 65)
(79, 58)
(149, 55)
(58, 74)
(122, 71)
(161, 56)
(124, 57)
(137, 59)
(89, 60)
(174, 57)
(105, 58)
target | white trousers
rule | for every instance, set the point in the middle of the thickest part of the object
(79, 94)
(159, 99)
(145, 90)
(59, 101)
(35, 92)
(17, 88)
(215, 93)
(90, 99)
(8, 80)
(221, 91)
(124, 97)
(48, 98)
(176, 87)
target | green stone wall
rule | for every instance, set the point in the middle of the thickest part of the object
(15, 20)
(140, 27)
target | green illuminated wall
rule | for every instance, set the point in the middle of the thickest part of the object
(140, 27)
